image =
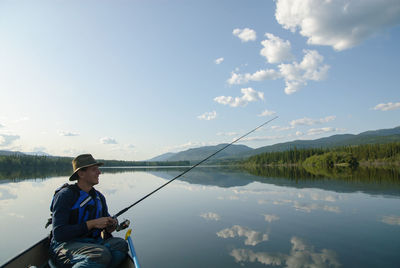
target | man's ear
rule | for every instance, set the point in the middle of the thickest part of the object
(81, 173)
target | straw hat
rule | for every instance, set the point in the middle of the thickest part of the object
(82, 161)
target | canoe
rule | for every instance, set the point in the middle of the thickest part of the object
(38, 256)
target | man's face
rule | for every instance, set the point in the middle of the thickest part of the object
(91, 175)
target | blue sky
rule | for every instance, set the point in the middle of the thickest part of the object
(134, 79)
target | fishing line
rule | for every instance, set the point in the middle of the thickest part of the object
(192, 167)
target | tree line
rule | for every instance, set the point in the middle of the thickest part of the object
(35, 162)
(388, 153)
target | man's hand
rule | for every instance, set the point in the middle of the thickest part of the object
(102, 223)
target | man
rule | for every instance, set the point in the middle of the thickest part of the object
(79, 215)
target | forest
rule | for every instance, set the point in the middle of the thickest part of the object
(352, 156)
(52, 163)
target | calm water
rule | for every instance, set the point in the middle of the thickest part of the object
(225, 218)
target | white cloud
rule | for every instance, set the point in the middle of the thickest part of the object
(210, 216)
(267, 113)
(261, 75)
(318, 131)
(208, 116)
(275, 49)
(299, 133)
(248, 95)
(1, 126)
(279, 128)
(305, 121)
(68, 133)
(130, 146)
(252, 237)
(108, 140)
(391, 220)
(341, 24)
(6, 140)
(271, 217)
(387, 106)
(219, 60)
(245, 34)
(296, 74)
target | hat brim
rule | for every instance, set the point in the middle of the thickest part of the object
(75, 176)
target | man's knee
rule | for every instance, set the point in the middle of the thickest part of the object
(116, 243)
(98, 254)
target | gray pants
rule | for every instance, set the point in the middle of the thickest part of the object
(88, 252)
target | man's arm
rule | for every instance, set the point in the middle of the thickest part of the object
(62, 229)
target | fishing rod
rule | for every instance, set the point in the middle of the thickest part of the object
(192, 167)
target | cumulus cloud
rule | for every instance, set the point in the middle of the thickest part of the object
(318, 131)
(261, 75)
(341, 24)
(275, 49)
(387, 106)
(245, 34)
(305, 121)
(248, 95)
(279, 128)
(210, 216)
(301, 255)
(108, 140)
(391, 220)
(267, 113)
(68, 134)
(6, 140)
(208, 116)
(252, 237)
(219, 60)
(297, 74)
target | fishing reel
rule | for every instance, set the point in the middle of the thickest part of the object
(123, 225)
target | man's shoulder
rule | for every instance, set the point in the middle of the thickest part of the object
(67, 190)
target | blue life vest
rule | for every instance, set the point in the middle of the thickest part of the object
(88, 206)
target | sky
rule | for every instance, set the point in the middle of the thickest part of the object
(130, 79)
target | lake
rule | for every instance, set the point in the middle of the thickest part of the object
(217, 217)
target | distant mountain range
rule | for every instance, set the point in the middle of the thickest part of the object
(241, 151)
(2, 152)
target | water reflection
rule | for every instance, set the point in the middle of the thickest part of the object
(391, 220)
(210, 216)
(252, 237)
(301, 255)
(368, 180)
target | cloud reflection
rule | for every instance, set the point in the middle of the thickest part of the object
(301, 255)
(271, 217)
(5, 194)
(210, 216)
(391, 220)
(252, 237)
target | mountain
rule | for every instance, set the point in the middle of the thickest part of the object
(242, 151)
(2, 152)
(162, 157)
(197, 154)
(368, 137)
(38, 153)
